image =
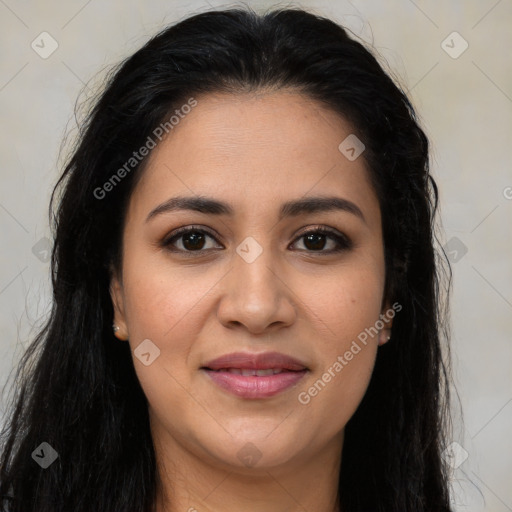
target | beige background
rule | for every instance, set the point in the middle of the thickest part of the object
(465, 105)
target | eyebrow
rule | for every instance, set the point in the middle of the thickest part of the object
(293, 208)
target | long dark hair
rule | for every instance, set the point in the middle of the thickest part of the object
(76, 385)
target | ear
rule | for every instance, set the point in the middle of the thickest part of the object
(386, 317)
(117, 296)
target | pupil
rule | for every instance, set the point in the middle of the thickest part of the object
(193, 240)
(316, 238)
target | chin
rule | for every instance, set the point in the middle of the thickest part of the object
(254, 449)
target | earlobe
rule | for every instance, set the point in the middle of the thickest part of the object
(119, 323)
(386, 319)
(384, 337)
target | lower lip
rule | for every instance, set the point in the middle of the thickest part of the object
(252, 386)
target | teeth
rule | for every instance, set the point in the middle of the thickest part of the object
(247, 372)
(261, 373)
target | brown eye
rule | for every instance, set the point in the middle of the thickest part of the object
(192, 240)
(315, 241)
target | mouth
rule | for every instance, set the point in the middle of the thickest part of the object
(255, 376)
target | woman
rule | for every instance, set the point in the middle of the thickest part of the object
(247, 310)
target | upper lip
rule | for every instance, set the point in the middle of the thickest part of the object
(262, 361)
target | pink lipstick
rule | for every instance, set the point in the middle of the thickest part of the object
(255, 376)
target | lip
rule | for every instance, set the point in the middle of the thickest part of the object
(261, 361)
(254, 386)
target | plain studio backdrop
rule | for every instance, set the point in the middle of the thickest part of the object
(453, 58)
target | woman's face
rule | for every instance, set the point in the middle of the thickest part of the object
(247, 280)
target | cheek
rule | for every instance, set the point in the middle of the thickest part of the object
(333, 396)
(344, 312)
(161, 301)
(344, 303)
(164, 309)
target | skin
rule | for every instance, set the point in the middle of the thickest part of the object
(253, 151)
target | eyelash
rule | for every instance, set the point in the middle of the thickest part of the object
(344, 243)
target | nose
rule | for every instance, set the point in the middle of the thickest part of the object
(256, 296)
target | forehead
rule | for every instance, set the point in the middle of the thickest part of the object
(240, 125)
(254, 148)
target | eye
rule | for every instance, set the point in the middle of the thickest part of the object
(193, 239)
(315, 240)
